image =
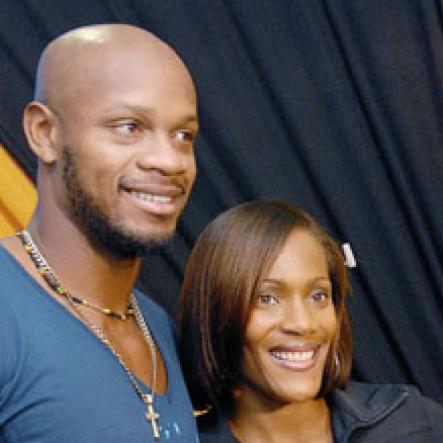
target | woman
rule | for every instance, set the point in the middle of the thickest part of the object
(266, 344)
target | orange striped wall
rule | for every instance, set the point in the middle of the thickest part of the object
(18, 196)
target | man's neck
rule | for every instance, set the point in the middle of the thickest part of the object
(82, 269)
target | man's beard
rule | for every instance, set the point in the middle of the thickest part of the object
(95, 224)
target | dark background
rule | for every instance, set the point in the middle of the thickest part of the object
(333, 105)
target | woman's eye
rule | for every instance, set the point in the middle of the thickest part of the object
(320, 296)
(267, 299)
(184, 136)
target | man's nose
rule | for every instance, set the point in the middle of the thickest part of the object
(160, 152)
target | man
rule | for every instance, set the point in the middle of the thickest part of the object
(83, 356)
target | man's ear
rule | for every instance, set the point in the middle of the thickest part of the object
(39, 124)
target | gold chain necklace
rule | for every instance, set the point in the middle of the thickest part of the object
(53, 281)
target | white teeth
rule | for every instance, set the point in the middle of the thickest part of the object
(151, 197)
(294, 356)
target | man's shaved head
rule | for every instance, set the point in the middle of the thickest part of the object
(70, 60)
(113, 123)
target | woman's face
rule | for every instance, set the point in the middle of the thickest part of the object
(291, 326)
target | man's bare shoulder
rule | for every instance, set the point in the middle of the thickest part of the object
(13, 245)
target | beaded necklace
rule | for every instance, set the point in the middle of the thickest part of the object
(51, 279)
(76, 302)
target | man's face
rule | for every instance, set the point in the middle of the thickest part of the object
(128, 162)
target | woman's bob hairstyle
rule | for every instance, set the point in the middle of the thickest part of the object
(223, 275)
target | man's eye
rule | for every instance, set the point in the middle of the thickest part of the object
(267, 299)
(184, 136)
(127, 127)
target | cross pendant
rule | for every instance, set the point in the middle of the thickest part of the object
(151, 415)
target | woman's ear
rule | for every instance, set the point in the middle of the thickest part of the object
(39, 124)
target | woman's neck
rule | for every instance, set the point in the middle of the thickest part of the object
(304, 422)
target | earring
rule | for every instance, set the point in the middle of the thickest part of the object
(337, 365)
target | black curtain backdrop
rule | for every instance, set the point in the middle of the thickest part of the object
(336, 106)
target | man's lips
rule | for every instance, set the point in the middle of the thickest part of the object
(161, 188)
(157, 198)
